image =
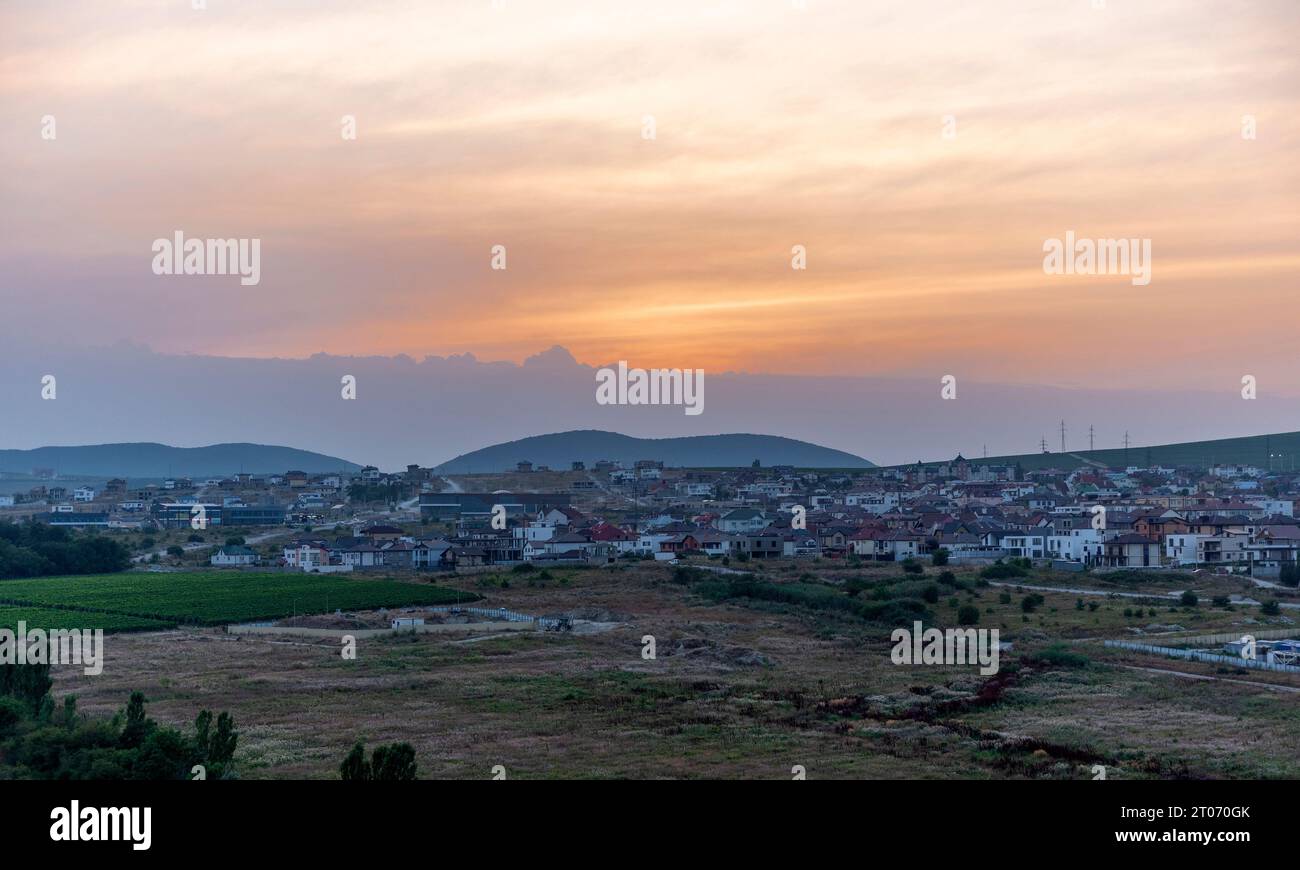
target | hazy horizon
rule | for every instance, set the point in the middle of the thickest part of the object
(430, 410)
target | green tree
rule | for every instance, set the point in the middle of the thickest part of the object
(137, 725)
(28, 683)
(396, 761)
(355, 766)
(221, 748)
(390, 762)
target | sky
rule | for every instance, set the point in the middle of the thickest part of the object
(921, 152)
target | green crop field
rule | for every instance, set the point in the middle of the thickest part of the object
(49, 618)
(216, 597)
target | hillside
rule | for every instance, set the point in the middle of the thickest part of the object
(559, 449)
(159, 460)
(1250, 450)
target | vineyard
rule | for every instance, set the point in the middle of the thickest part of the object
(141, 601)
(49, 618)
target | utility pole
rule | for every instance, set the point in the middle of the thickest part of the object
(1090, 447)
(1062, 436)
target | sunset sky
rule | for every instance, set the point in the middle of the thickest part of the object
(775, 126)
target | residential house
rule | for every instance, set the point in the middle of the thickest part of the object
(232, 556)
(742, 520)
(1131, 551)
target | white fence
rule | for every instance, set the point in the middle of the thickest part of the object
(1203, 656)
(499, 613)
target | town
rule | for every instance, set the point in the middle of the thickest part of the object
(1232, 518)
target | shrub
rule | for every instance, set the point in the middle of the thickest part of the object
(1031, 602)
(968, 615)
(1188, 599)
(931, 594)
(1270, 607)
(940, 557)
(687, 574)
(1060, 656)
(1000, 570)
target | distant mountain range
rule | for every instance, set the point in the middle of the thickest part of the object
(159, 460)
(427, 411)
(560, 449)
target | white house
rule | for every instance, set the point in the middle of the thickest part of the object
(650, 542)
(363, 556)
(872, 502)
(1181, 549)
(1274, 506)
(742, 520)
(716, 543)
(535, 532)
(83, 493)
(306, 556)
(231, 556)
(1223, 548)
(1025, 546)
(1077, 545)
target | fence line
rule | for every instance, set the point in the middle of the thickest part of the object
(1203, 656)
(1268, 633)
(498, 613)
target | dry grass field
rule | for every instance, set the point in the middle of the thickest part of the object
(738, 688)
